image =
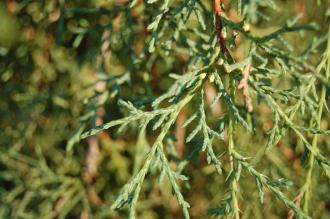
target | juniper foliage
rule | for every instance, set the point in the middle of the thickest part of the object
(270, 57)
(158, 60)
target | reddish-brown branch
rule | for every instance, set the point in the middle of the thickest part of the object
(217, 6)
(219, 27)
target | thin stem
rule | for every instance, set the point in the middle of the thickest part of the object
(231, 145)
(308, 179)
(234, 188)
(219, 27)
(156, 145)
(231, 151)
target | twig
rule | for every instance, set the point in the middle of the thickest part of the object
(297, 201)
(219, 28)
(231, 151)
(311, 161)
(245, 86)
(180, 133)
(234, 187)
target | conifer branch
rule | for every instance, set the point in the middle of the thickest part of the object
(231, 151)
(172, 34)
(306, 190)
(219, 28)
(273, 185)
(243, 84)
